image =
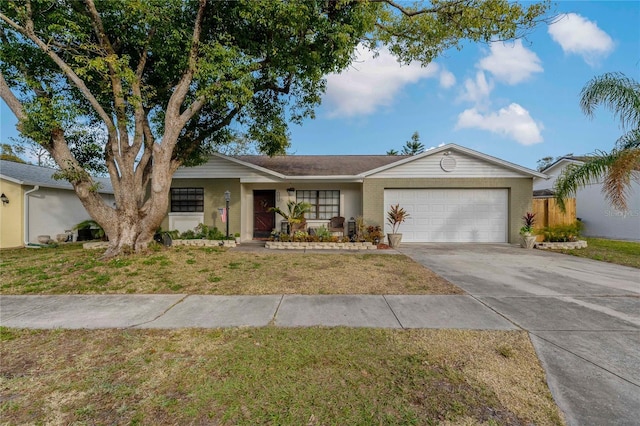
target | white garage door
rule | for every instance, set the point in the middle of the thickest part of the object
(451, 215)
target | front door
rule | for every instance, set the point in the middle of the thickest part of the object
(264, 221)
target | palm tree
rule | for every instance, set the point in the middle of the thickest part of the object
(621, 95)
(392, 152)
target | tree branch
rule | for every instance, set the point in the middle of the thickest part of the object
(28, 32)
(180, 92)
(13, 103)
(116, 81)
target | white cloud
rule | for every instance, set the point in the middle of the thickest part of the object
(578, 35)
(513, 121)
(447, 79)
(510, 63)
(372, 82)
(478, 90)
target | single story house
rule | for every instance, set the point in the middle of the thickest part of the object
(452, 193)
(599, 218)
(33, 203)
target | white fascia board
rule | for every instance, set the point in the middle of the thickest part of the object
(470, 152)
(68, 187)
(14, 180)
(293, 179)
(251, 166)
(341, 178)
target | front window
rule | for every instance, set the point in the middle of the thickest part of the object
(324, 204)
(187, 199)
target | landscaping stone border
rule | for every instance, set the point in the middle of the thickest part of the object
(279, 245)
(562, 245)
(193, 243)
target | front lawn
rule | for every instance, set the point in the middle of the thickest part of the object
(69, 269)
(308, 376)
(614, 251)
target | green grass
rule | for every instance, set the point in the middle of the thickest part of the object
(310, 376)
(625, 253)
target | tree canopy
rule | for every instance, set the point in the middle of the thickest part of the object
(165, 80)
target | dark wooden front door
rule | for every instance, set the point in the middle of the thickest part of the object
(263, 220)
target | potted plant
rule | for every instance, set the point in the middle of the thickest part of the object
(295, 215)
(528, 239)
(395, 216)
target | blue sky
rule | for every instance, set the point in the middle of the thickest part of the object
(516, 101)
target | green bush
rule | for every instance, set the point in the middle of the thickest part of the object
(561, 233)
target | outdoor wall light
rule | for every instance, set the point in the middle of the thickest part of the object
(291, 191)
(4, 198)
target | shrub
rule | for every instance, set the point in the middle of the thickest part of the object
(374, 233)
(323, 233)
(562, 233)
(528, 220)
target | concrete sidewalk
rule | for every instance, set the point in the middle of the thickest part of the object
(199, 311)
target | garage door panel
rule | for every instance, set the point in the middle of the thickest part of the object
(451, 215)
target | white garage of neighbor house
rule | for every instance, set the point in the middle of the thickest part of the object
(452, 193)
(599, 218)
(37, 204)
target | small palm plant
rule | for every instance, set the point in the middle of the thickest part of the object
(295, 215)
(395, 216)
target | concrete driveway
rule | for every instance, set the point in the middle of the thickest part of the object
(583, 317)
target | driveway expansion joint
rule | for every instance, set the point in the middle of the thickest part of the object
(585, 359)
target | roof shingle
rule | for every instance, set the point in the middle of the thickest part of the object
(321, 165)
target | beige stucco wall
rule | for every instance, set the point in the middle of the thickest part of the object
(11, 215)
(350, 200)
(520, 196)
(213, 200)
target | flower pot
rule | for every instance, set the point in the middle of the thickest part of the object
(394, 240)
(528, 241)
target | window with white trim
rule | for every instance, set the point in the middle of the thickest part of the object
(325, 204)
(187, 199)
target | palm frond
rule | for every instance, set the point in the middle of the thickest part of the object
(629, 140)
(617, 182)
(576, 176)
(616, 92)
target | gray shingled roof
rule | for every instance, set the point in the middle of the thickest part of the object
(543, 193)
(321, 165)
(28, 174)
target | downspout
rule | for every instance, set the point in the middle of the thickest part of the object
(26, 218)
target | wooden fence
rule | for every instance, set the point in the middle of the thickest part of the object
(549, 214)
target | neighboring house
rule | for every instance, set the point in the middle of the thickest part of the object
(452, 193)
(37, 204)
(600, 219)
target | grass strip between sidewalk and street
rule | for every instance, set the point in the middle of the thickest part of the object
(248, 376)
(68, 269)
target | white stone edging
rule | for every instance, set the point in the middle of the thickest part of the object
(280, 245)
(562, 245)
(192, 243)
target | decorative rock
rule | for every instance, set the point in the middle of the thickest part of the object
(569, 245)
(44, 239)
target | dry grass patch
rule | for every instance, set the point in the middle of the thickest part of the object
(195, 270)
(270, 375)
